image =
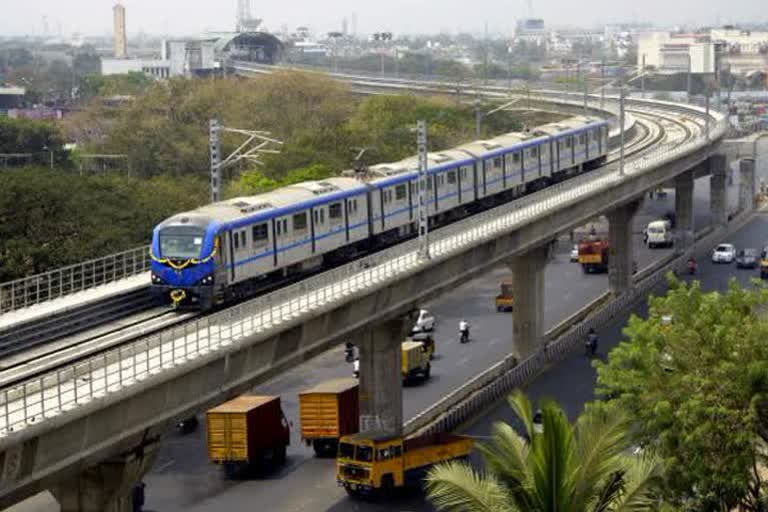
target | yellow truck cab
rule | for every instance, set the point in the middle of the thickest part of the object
(504, 300)
(764, 263)
(375, 464)
(415, 360)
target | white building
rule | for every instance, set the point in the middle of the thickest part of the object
(673, 53)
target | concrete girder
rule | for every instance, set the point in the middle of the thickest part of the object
(718, 197)
(747, 184)
(106, 426)
(528, 290)
(684, 211)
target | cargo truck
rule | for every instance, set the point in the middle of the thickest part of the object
(504, 300)
(247, 432)
(375, 465)
(328, 411)
(593, 256)
(414, 361)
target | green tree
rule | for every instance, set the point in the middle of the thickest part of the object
(693, 376)
(563, 468)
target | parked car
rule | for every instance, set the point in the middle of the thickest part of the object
(747, 258)
(724, 253)
(575, 253)
(425, 322)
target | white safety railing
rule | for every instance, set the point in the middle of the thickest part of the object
(53, 284)
(75, 384)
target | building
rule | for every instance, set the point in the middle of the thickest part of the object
(11, 96)
(667, 52)
(531, 30)
(121, 43)
(201, 57)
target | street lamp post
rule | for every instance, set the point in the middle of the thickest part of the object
(46, 148)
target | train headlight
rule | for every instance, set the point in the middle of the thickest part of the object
(207, 280)
(156, 279)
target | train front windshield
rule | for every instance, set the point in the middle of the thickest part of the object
(178, 243)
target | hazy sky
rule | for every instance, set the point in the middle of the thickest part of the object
(196, 16)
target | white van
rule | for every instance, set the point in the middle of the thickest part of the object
(658, 234)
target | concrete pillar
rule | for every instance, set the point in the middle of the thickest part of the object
(621, 253)
(528, 292)
(747, 184)
(107, 486)
(718, 198)
(381, 384)
(684, 211)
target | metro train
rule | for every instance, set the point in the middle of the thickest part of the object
(231, 249)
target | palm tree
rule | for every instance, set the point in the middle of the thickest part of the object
(564, 468)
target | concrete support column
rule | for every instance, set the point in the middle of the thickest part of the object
(621, 253)
(747, 184)
(684, 211)
(381, 384)
(528, 291)
(718, 198)
(107, 486)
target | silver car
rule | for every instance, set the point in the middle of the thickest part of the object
(724, 253)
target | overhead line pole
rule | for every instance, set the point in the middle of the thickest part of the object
(421, 140)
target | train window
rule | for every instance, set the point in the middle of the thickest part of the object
(400, 192)
(451, 177)
(242, 239)
(334, 211)
(534, 152)
(300, 221)
(285, 226)
(322, 216)
(260, 233)
(236, 240)
(279, 223)
(582, 138)
(516, 158)
(429, 182)
(497, 163)
(567, 142)
(463, 173)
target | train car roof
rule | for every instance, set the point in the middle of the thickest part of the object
(292, 195)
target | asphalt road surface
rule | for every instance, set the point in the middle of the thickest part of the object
(184, 479)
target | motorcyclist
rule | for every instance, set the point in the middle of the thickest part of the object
(692, 265)
(592, 341)
(464, 330)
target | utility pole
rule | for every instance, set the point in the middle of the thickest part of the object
(478, 118)
(485, 55)
(509, 68)
(642, 79)
(397, 63)
(688, 79)
(421, 139)
(238, 155)
(585, 95)
(215, 145)
(706, 126)
(621, 122)
(602, 83)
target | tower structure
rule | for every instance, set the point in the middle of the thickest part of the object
(121, 44)
(245, 21)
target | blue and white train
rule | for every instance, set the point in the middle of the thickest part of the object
(232, 249)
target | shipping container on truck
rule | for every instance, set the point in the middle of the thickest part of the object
(414, 360)
(374, 465)
(328, 411)
(593, 256)
(247, 432)
(504, 300)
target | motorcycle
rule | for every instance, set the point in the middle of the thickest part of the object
(464, 337)
(590, 346)
(187, 426)
(691, 267)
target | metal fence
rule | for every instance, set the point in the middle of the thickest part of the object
(72, 385)
(28, 291)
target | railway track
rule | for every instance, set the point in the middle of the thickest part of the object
(655, 130)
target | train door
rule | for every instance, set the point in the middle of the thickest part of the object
(281, 240)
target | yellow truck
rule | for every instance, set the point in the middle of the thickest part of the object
(414, 360)
(764, 263)
(328, 411)
(374, 465)
(247, 432)
(504, 300)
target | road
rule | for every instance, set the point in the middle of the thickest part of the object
(183, 478)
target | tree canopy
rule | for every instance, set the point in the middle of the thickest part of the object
(562, 468)
(693, 377)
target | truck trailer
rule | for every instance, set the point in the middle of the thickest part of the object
(327, 412)
(247, 432)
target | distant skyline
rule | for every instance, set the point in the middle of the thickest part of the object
(180, 17)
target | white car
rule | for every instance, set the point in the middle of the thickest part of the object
(356, 368)
(424, 323)
(575, 253)
(724, 253)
